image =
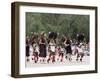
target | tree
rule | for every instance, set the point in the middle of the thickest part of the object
(68, 24)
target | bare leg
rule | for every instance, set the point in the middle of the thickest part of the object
(62, 57)
(82, 55)
(77, 57)
(70, 57)
(49, 58)
(53, 59)
(58, 57)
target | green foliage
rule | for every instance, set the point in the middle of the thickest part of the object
(61, 23)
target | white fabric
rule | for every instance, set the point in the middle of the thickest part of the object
(53, 49)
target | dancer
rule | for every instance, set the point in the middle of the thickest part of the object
(60, 53)
(27, 48)
(80, 52)
(35, 52)
(68, 49)
(52, 50)
(42, 47)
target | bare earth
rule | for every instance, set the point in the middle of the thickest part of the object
(85, 61)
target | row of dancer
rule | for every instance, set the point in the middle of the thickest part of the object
(46, 49)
